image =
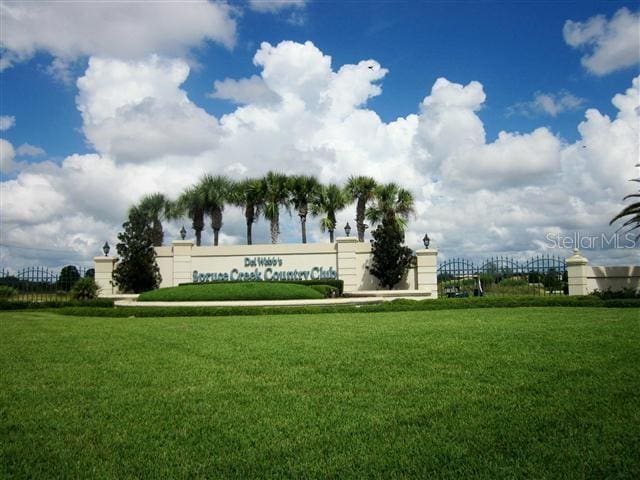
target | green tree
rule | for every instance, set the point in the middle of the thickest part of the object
(69, 275)
(361, 189)
(329, 200)
(393, 202)
(248, 195)
(391, 259)
(632, 211)
(137, 270)
(216, 191)
(276, 194)
(303, 189)
(191, 203)
(155, 208)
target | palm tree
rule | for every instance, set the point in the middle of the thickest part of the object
(327, 202)
(276, 193)
(155, 208)
(362, 190)
(392, 202)
(192, 204)
(248, 194)
(216, 191)
(632, 211)
(302, 189)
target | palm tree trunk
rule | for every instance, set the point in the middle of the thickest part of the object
(248, 214)
(158, 234)
(275, 227)
(198, 226)
(303, 223)
(216, 224)
(331, 236)
(249, 239)
(360, 210)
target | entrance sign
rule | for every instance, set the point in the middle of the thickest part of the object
(346, 259)
(266, 268)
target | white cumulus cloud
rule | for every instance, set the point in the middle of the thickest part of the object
(28, 150)
(551, 104)
(271, 6)
(7, 154)
(6, 122)
(244, 91)
(136, 111)
(133, 30)
(611, 44)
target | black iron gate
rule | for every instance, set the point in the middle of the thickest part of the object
(39, 284)
(540, 275)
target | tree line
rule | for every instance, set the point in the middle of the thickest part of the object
(268, 196)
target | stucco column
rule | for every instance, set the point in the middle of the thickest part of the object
(346, 263)
(427, 271)
(182, 272)
(577, 273)
(104, 267)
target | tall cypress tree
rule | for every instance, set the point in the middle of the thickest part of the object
(391, 259)
(137, 270)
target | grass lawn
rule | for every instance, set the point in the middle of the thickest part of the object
(484, 393)
(231, 291)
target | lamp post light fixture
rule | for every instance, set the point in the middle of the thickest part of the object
(106, 248)
(426, 240)
(347, 229)
(183, 233)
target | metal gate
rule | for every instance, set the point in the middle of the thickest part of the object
(540, 275)
(40, 284)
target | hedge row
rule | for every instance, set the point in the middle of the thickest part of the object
(393, 306)
(339, 284)
(232, 291)
(98, 303)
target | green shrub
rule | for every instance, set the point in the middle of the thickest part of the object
(514, 282)
(326, 290)
(338, 284)
(399, 305)
(98, 303)
(6, 292)
(85, 289)
(231, 291)
(617, 294)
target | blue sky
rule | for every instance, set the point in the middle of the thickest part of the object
(518, 52)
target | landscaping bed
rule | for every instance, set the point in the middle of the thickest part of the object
(235, 291)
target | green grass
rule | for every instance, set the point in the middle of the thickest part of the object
(231, 291)
(480, 393)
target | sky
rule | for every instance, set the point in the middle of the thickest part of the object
(516, 125)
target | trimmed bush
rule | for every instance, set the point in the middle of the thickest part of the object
(6, 292)
(84, 289)
(400, 305)
(338, 284)
(326, 290)
(616, 294)
(101, 304)
(231, 291)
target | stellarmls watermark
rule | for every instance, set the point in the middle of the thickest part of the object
(590, 241)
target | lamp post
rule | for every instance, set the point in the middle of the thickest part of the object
(106, 248)
(183, 233)
(347, 229)
(426, 240)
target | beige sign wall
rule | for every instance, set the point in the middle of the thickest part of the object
(347, 260)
